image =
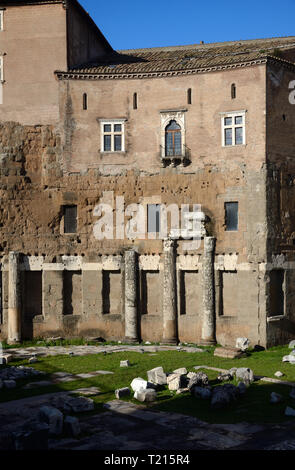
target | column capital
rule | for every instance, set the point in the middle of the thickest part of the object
(168, 243)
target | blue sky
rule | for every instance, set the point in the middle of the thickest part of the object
(134, 23)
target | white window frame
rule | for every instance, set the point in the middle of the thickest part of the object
(233, 126)
(1, 20)
(112, 122)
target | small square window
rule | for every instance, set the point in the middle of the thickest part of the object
(70, 219)
(231, 216)
(112, 136)
(154, 218)
(233, 129)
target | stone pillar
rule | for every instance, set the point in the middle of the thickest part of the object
(131, 327)
(208, 327)
(169, 294)
(14, 299)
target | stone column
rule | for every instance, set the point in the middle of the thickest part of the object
(131, 327)
(169, 294)
(14, 299)
(208, 327)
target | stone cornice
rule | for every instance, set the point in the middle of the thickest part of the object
(72, 75)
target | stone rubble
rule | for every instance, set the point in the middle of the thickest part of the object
(198, 379)
(122, 392)
(289, 411)
(53, 417)
(223, 395)
(181, 371)
(176, 381)
(72, 426)
(6, 358)
(157, 376)
(125, 363)
(245, 375)
(202, 392)
(19, 372)
(242, 344)
(289, 358)
(275, 398)
(73, 404)
(138, 384)
(145, 395)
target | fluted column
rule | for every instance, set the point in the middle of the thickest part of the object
(208, 327)
(169, 294)
(14, 299)
(131, 326)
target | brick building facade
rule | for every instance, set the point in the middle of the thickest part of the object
(82, 124)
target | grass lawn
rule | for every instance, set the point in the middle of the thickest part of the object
(254, 407)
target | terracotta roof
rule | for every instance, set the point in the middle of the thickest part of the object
(187, 59)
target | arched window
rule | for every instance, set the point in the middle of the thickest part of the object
(233, 91)
(173, 139)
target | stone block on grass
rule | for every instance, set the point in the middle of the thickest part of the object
(122, 392)
(5, 359)
(145, 395)
(180, 371)
(176, 381)
(157, 376)
(245, 375)
(125, 363)
(229, 353)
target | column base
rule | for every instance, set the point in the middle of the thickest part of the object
(11, 342)
(172, 341)
(208, 342)
(131, 340)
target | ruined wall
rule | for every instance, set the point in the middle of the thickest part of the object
(34, 189)
(33, 45)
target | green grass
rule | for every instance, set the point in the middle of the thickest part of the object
(254, 407)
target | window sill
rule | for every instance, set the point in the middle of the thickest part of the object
(103, 152)
(233, 146)
(275, 318)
